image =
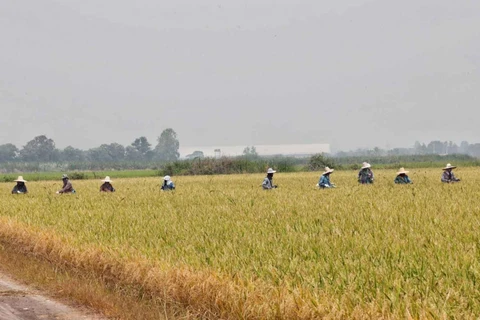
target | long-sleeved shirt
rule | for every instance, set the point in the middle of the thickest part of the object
(324, 181)
(107, 187)
(448, 176)
(19, 188)
(67, 187)
(365, 176)
(402, 179)
(268, 184)
(168, 186)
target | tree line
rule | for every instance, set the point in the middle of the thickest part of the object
(435, 147)
(43, 149)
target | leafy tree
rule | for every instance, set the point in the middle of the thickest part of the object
(377, 152)
(8, 152)
(99, 154)
(107, 153)
(420, 148)
(319, 162)
(116, 151)
(451, 148)
(463, 147)
(167, 146)
(143, 147)
(250, 152)
(40, 149)
(436, 147)
(71, 154)
(132, 154)
(474, 149)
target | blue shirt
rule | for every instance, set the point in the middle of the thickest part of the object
(324, 181)
(402, 179)
(168, 186)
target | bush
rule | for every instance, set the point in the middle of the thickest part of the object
(78, 176)
(225, 165)
(319, 162)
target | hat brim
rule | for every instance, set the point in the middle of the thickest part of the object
(327, 172)
(107, 180)
(366, 167)
(19, 180)
(452, 167)
(402, 172)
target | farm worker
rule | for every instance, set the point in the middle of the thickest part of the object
(365, 175)
(67, 185)
(168, 184)
(107, 185)
(20, 187)
(448, 175)
(324, 181)
(402, 177)
(268, 181)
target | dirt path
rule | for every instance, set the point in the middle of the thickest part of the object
(18, 302)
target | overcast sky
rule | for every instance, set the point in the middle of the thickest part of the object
(356, 73)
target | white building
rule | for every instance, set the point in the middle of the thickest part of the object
(297, 150)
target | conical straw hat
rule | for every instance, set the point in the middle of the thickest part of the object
(366, 165)
(328, 170)
(107, 179)
(449, 166)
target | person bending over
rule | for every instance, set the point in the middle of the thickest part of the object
(20, 187)
(365, 175)
(324, 181)
(67, 186)
(448, 176)
(168, 184)
(107, 185)
(268, 181)
(402, 177)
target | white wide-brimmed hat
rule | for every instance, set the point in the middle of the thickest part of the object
(402, 171)
(449, 166)
(366, 165)
(20, 179)
(167, 178)
(328, 170)
(270, 170)
(107, 179)
(64, 176)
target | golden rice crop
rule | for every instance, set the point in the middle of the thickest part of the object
(222, 247)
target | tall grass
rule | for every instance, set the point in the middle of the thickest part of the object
(222, 246)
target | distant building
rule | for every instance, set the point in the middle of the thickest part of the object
(294, 150)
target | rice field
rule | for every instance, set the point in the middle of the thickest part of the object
(222, 247)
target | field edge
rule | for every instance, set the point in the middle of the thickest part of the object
(75, 288)
(128, 290)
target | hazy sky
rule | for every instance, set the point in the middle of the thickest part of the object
(353, 73)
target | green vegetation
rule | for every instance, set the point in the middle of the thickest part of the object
(210, 166)
(45, 176)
